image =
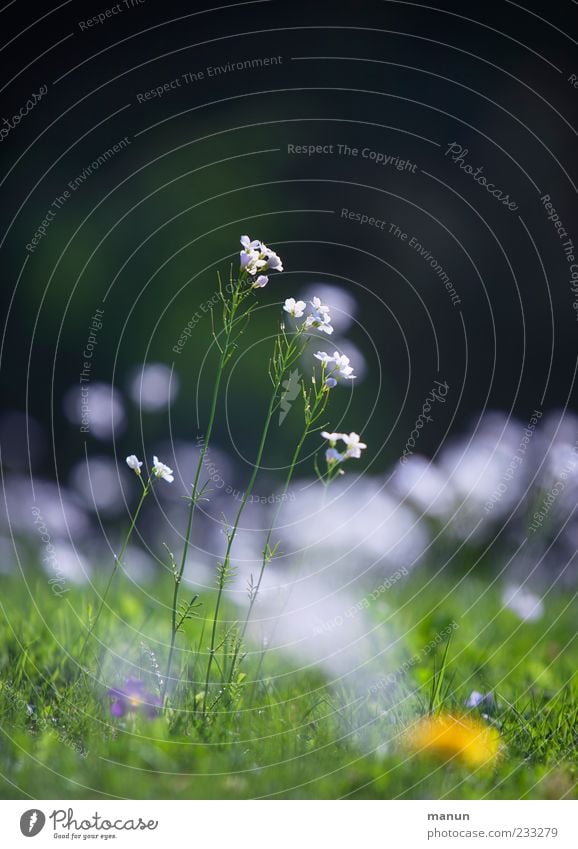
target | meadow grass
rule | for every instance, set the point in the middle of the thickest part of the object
(290, 732)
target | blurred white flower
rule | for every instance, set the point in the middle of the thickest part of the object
(261, 281)
(294, 308)
(138, 566)
(332, 455)
(162, 471)
(326, 359)
(477, 699)
(98, 407)
(528, 606)
(134, 463)
(153, 386)
(96, 480)
(420, 481)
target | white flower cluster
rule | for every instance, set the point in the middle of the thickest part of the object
(318, 318)
(160, 470)
(352, 443)
(338, 366)
(256, 258)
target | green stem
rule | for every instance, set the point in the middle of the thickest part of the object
(282, 360)
(312, 417)
(118, 560)
(226, 561)
(195, 488)
(264, 561)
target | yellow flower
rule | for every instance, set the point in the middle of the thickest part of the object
(461, 737)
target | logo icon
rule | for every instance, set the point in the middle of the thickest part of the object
(292, 388)
(32, 822)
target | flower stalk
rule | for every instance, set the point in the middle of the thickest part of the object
(134, 464)
(254, 260)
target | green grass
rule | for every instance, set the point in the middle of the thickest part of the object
(290, 734)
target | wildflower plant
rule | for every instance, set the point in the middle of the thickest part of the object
(308, 319)
(335, 457)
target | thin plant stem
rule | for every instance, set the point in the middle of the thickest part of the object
(117, 561)
(231, 537)
(279, 365)
(229, 321)
(265, 559)
(179, 575)
(312, 416)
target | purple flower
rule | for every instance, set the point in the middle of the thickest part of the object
(133, 699)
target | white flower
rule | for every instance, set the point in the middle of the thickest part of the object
(294, 308)
(354, 446)
(342, 366)
(273, 260)
(332, 437)
(251, 261)
(321, 321)
(249, 245)
(256, 257)
(162, 471)
(134, 463)
(319, 307)
(261, 281)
